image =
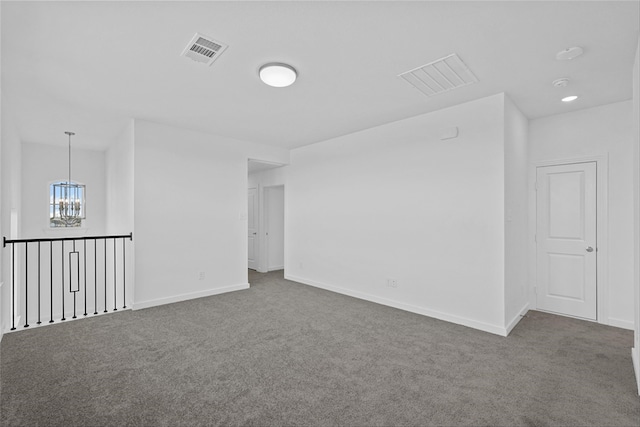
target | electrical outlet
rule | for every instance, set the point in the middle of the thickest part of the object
(201, 275)
(392, 283)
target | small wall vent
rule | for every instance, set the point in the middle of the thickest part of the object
(203, 49)
(440, 76)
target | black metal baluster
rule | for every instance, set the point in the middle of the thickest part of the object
(74, 280)
(62, 284)
(13, 287)
(71, 281)
(105, 275)
(114, 276)
(26, 285)
(95, 276)
(124, 276)
(85, 276)
(51, 279)
(38, 322)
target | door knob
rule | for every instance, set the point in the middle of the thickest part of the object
(257, 233)
(589, 249)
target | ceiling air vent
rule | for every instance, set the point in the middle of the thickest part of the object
(440, 76)
(203, 49)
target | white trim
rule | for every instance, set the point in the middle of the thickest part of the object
(619, 323)
(635, 357)
(188, 296)
(516, 319)
(486, 327)
(602, 185)
(277, 267)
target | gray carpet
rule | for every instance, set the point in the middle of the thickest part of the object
(282, 353)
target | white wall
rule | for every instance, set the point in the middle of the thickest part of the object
(43, 164)
(274, 208)
(268, 177)
(636, 221)
(10, 214)
(1, 203)
(606, 130)
(120, 198)
(119, 183)
(396, 202)
(516, 212)
(190, 212)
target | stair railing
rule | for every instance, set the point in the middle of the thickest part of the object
(88, 277)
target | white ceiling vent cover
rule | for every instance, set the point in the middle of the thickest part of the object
(440, 76)
(203, 49)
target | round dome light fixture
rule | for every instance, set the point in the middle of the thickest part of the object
(277, 74)
(570, 98)
(569, 53)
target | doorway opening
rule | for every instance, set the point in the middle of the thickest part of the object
(265, 218)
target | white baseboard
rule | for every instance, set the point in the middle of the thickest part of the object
(619, 323)
(635, 357)
(277, 267)
(512, 324)
(486, 327)
(192, 295)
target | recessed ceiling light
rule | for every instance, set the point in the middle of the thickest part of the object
(278, 75)
(569, 98)
(569, 53)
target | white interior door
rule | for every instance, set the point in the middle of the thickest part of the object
(274, 221)
(252, 232)
(566, 239)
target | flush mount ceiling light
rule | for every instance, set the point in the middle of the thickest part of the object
(569, 53)
(569, 98)
(277, 74)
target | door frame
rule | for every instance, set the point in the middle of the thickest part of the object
(602, 230)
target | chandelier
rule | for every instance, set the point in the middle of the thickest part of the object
(67, 200)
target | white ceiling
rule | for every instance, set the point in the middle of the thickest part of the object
(91, 66)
